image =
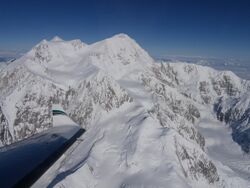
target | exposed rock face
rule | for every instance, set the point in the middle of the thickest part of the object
(42, 53)
(236, 113)
(6, 137)
(204, 90)
(195, 165)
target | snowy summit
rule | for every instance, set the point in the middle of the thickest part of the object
(56, 39)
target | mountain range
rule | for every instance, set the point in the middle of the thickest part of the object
(148, 124)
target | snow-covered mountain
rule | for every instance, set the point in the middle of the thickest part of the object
(240, 67)
(147, 123)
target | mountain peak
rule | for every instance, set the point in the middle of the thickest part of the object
(122, 36)
(44, 41)
(57, 39)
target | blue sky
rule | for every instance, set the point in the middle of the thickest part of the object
(190, 28)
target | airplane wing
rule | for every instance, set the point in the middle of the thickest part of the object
(22, 163)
